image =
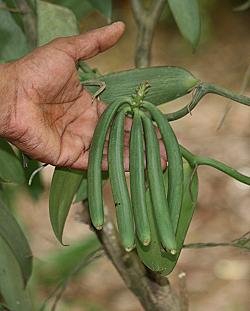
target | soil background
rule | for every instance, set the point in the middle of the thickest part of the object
(218, 279)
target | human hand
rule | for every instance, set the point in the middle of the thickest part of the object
(50, 116)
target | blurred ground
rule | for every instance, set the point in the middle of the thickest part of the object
(217, 279)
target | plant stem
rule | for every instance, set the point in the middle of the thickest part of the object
(196, 161)
(230, 104)
(153, 291)
(200, 91)
(242, 242)
(146, 20)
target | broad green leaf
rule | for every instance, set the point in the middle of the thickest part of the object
(167, 83)
(8, 194)
(11, 169)
(152, 255)
(54, 21)
(13, 41)
(13, 237)
(12, 289)
(187, 16)
(64, 185)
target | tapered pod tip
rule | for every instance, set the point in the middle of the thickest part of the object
(98, 227)
(146, 242)
(129, 248)
(173, 251)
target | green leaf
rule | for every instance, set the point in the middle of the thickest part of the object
(8, 194)
(152, 255)
(54, 21)
(65, 183)
(12, 289)
(10, 168)
(167, 83)
(82, 193)
(13, 41)
(187, 16)
(13, 237)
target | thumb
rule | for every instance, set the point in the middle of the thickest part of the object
(91, 43)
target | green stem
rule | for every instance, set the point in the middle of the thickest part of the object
(196, 161)
(200, 91)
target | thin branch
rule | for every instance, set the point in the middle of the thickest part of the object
(241, 242)
(156, 9)
(229, 105)
(146, 20)
(196, 161)
(138, 10)
(29, 22)
(199, 92)
(153, 291)
(206, 245)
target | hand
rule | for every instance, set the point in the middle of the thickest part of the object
(50, 116)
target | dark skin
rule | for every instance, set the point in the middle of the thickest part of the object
(45, 111)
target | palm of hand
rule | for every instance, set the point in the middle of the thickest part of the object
(52, 118)
(52, 107)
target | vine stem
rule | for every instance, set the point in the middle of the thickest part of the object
(146, 20)
(242, 242)
(196, 161)
(153, 291)
(229, 104)
(202, 90)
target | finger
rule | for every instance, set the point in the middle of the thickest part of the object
(91, 43)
